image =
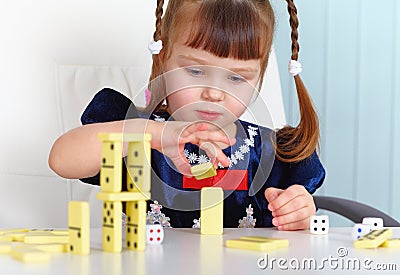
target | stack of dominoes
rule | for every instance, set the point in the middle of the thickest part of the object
(138, 185)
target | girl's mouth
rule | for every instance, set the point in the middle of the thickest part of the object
(208, 115)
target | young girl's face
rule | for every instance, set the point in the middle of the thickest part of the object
(202, 86)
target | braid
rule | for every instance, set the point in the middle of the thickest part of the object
(294, 24)
(156, 67)
(297, 143)
(159, 13)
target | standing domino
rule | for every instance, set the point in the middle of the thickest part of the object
(375, 223)
(360, 230)
(136, 225)
(79, 227)
(112, 226)
(111, 162)
(138, 162)
(211, 210)
(319, 225)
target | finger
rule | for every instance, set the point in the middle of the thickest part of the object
(295, 216)
(215, 153)
(296, 203)
(272, 193)
(182, 165)
(195, 127)
(299, 225)
(287, 195)
(212, 136)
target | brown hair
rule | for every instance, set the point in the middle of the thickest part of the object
(240, 29)
(297, 143)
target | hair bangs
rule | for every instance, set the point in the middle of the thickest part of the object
(230, 28)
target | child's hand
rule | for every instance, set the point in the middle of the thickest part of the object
(291, 208)
(172, 136)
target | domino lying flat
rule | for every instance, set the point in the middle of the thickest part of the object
(257, 243)
(391, 243)
(373, 239)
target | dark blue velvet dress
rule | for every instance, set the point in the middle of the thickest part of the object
(252, 156)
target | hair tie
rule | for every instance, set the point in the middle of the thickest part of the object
(155, 46)
(295, 67)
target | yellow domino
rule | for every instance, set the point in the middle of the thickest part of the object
(111, 162)
(79, 227)
(5, 238)
(12, 230)
(49, 248)
(374, 238)
(5, 247)
(280, 243)
(111, 159)
(136, 225)
(391, 243)
(123, 196)
(138, 166)
(16, 236)
(211, 210)
(29, 255)
(112, 226)
(41, 238)
(204, 170)
(52, 231)
(251, 245)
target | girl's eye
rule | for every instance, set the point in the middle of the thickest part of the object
(195, 72)
(236, 78)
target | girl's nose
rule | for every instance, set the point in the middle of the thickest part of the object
(213, 95)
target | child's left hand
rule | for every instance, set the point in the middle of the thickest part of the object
(291, 208)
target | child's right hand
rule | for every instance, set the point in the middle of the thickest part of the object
(170, 137)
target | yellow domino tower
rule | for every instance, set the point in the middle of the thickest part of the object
(138, 185)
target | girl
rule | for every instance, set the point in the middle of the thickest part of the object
(222, 48)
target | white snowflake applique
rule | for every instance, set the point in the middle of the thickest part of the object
(239, 155)
(234, 158)
(186, 153)
(158, 118)
(192, 158)
(244, 148)
(249, 142)
(203, 159)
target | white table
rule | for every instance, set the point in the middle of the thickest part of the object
(185, 251)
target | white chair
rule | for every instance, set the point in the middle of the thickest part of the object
(54, 57)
